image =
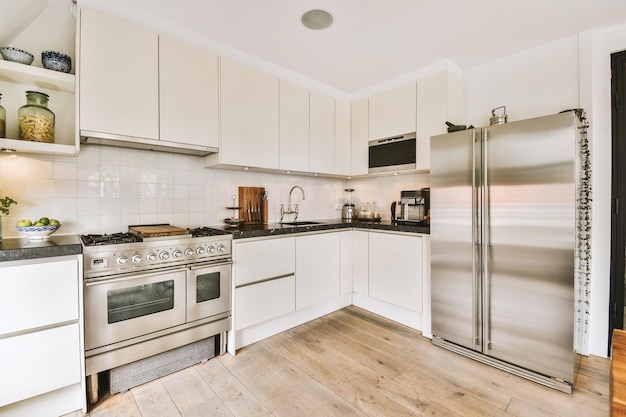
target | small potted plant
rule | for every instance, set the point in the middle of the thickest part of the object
(5, 203)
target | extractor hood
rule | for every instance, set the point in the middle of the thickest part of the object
(120, 141)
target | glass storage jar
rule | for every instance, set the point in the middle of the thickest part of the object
(36, 120)
(3, 121)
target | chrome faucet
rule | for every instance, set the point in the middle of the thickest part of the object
(289, 210)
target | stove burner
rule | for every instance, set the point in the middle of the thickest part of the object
(206, 231)
(112, 239)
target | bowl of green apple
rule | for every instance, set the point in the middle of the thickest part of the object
(38, 230)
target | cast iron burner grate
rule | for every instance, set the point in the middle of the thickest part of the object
(206, 231)
(112, 239)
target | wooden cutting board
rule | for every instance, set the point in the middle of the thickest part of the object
(158, 230)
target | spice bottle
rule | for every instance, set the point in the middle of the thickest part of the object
(36, 120)
(3, 120)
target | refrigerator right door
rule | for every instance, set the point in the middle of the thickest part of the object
(529, 239)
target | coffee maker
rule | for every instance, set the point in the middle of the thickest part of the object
(412, 208)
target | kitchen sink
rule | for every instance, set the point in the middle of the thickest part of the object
(300, 223)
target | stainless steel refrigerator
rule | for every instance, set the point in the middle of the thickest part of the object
(503, 238)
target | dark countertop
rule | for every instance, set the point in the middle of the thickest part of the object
(272, 229)
(21, 248)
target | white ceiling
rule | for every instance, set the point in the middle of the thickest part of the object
(374, 41)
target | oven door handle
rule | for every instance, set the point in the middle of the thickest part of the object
(221, 262)
(129, 277)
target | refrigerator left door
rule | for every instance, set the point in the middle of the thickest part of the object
(454, 225)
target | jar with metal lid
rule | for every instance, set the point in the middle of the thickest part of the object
(3, 121)
(36, 120)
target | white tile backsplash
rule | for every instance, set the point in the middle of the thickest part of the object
(105, 189)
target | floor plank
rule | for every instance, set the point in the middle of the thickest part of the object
(352, 363)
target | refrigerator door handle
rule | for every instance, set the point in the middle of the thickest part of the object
(476, 258)
(486, 229)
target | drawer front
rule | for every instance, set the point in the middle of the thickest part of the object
(260, 302)
(39, 294)
(263, 259)
(39, 362)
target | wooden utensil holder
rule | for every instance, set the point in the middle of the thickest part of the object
(252, 206)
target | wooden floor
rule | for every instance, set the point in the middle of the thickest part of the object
(354, 363)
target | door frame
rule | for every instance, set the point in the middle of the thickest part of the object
(618, 192)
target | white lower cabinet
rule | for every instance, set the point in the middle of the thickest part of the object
(264, 301)
(317, 268)
(360, 261)
(41, 347)
(396, 269)
(264, 280)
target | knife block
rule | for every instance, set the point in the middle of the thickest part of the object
(252, 206)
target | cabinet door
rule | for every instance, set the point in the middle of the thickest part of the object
(38, 294)
(264, 301)
(359, 137)
(248, 116)
(438, 101)
(322, 133)
(119, 79)
(263, 259)
(39, 362)
(188, 94)
(343, 154)
(317, 268)
(392, 112)
(360, 258)
(294, 127)
(395, 269)
(345, 262)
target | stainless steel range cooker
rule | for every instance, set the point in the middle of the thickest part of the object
(146, 294)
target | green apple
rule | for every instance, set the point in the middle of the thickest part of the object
(39, 224)
(44, 220)
(54, 222)
(24, 223)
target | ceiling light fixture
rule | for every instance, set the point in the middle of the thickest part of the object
(317, 19)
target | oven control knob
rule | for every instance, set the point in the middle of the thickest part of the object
(188, 252)
(151, 257)
(136, 259)
(211, 249)
(122, 260)
(200, 250)
(164, 255)
(221, 248)
(177, 253)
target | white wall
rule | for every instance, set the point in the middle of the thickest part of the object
(533, 83)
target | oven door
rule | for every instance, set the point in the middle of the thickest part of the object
(209, 290)
(132, 305)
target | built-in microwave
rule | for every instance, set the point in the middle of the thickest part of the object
(396, 153)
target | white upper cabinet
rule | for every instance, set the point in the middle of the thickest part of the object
(343, 155)
(360, 136)
(188, 94)
(248, 116)
(392, 112)
(294, 127)
(119, 77)
(439, 99)
(322, 133)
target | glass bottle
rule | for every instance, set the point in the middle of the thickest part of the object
(36, 120)
(3, 123)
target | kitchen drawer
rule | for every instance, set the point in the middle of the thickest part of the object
(39, 362)
(39, 293)
(260, 302)
(263, 259)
